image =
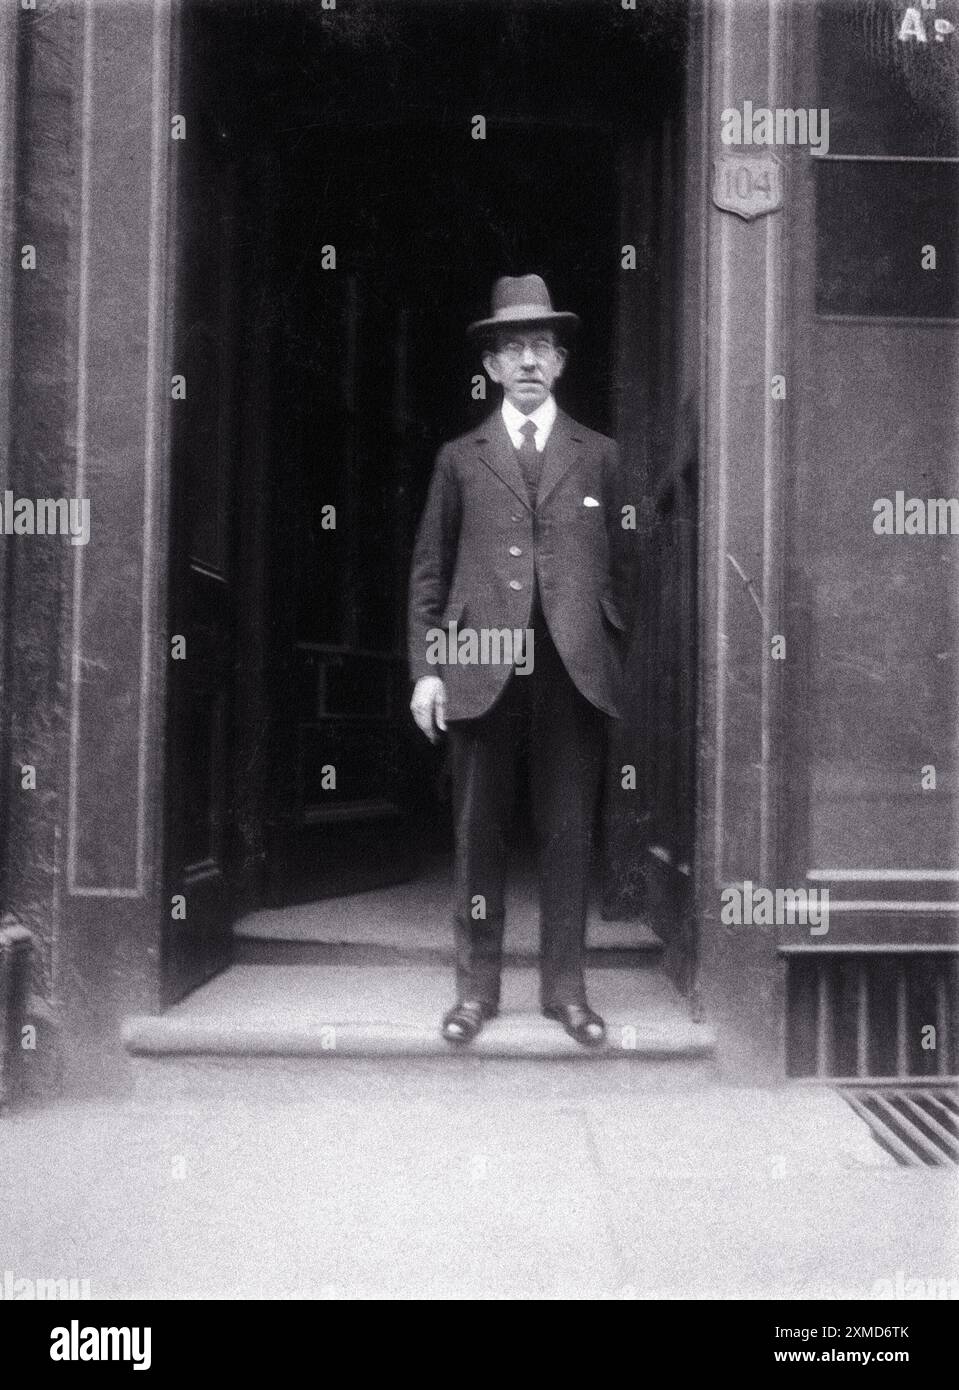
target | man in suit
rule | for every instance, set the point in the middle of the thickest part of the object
(521, 535)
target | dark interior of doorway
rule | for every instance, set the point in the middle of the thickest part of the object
(331, 387)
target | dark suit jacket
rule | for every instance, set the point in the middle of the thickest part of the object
(477, 510)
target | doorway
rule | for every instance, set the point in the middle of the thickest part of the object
(341, 216)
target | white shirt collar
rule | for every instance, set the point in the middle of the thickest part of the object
(543, 417)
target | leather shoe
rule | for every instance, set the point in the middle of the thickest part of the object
(462, 1023)
(579, 1021)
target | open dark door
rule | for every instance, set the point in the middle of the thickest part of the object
(199, 834)
(342, 738)
(650, 822)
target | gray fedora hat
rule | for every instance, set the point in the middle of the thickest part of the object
(519, 299)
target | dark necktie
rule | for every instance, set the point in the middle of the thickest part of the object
(530, 461)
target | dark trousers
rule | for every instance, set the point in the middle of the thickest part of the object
(563, 735)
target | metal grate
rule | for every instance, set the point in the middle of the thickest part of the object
(917, 1125)
(872, 1015)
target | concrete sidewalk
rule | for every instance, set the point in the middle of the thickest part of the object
(463, 1178)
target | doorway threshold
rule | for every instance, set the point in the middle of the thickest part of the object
(415, 917)
(339, 1011)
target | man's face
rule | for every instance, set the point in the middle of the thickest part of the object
(525, 363)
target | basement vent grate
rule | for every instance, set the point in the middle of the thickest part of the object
(883, 1014)
(917, 1125)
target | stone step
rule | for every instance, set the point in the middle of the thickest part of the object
(343, 1011)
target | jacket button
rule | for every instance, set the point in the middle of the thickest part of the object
(515, 584)
(515, 550)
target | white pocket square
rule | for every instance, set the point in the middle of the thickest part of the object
(590, 502)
